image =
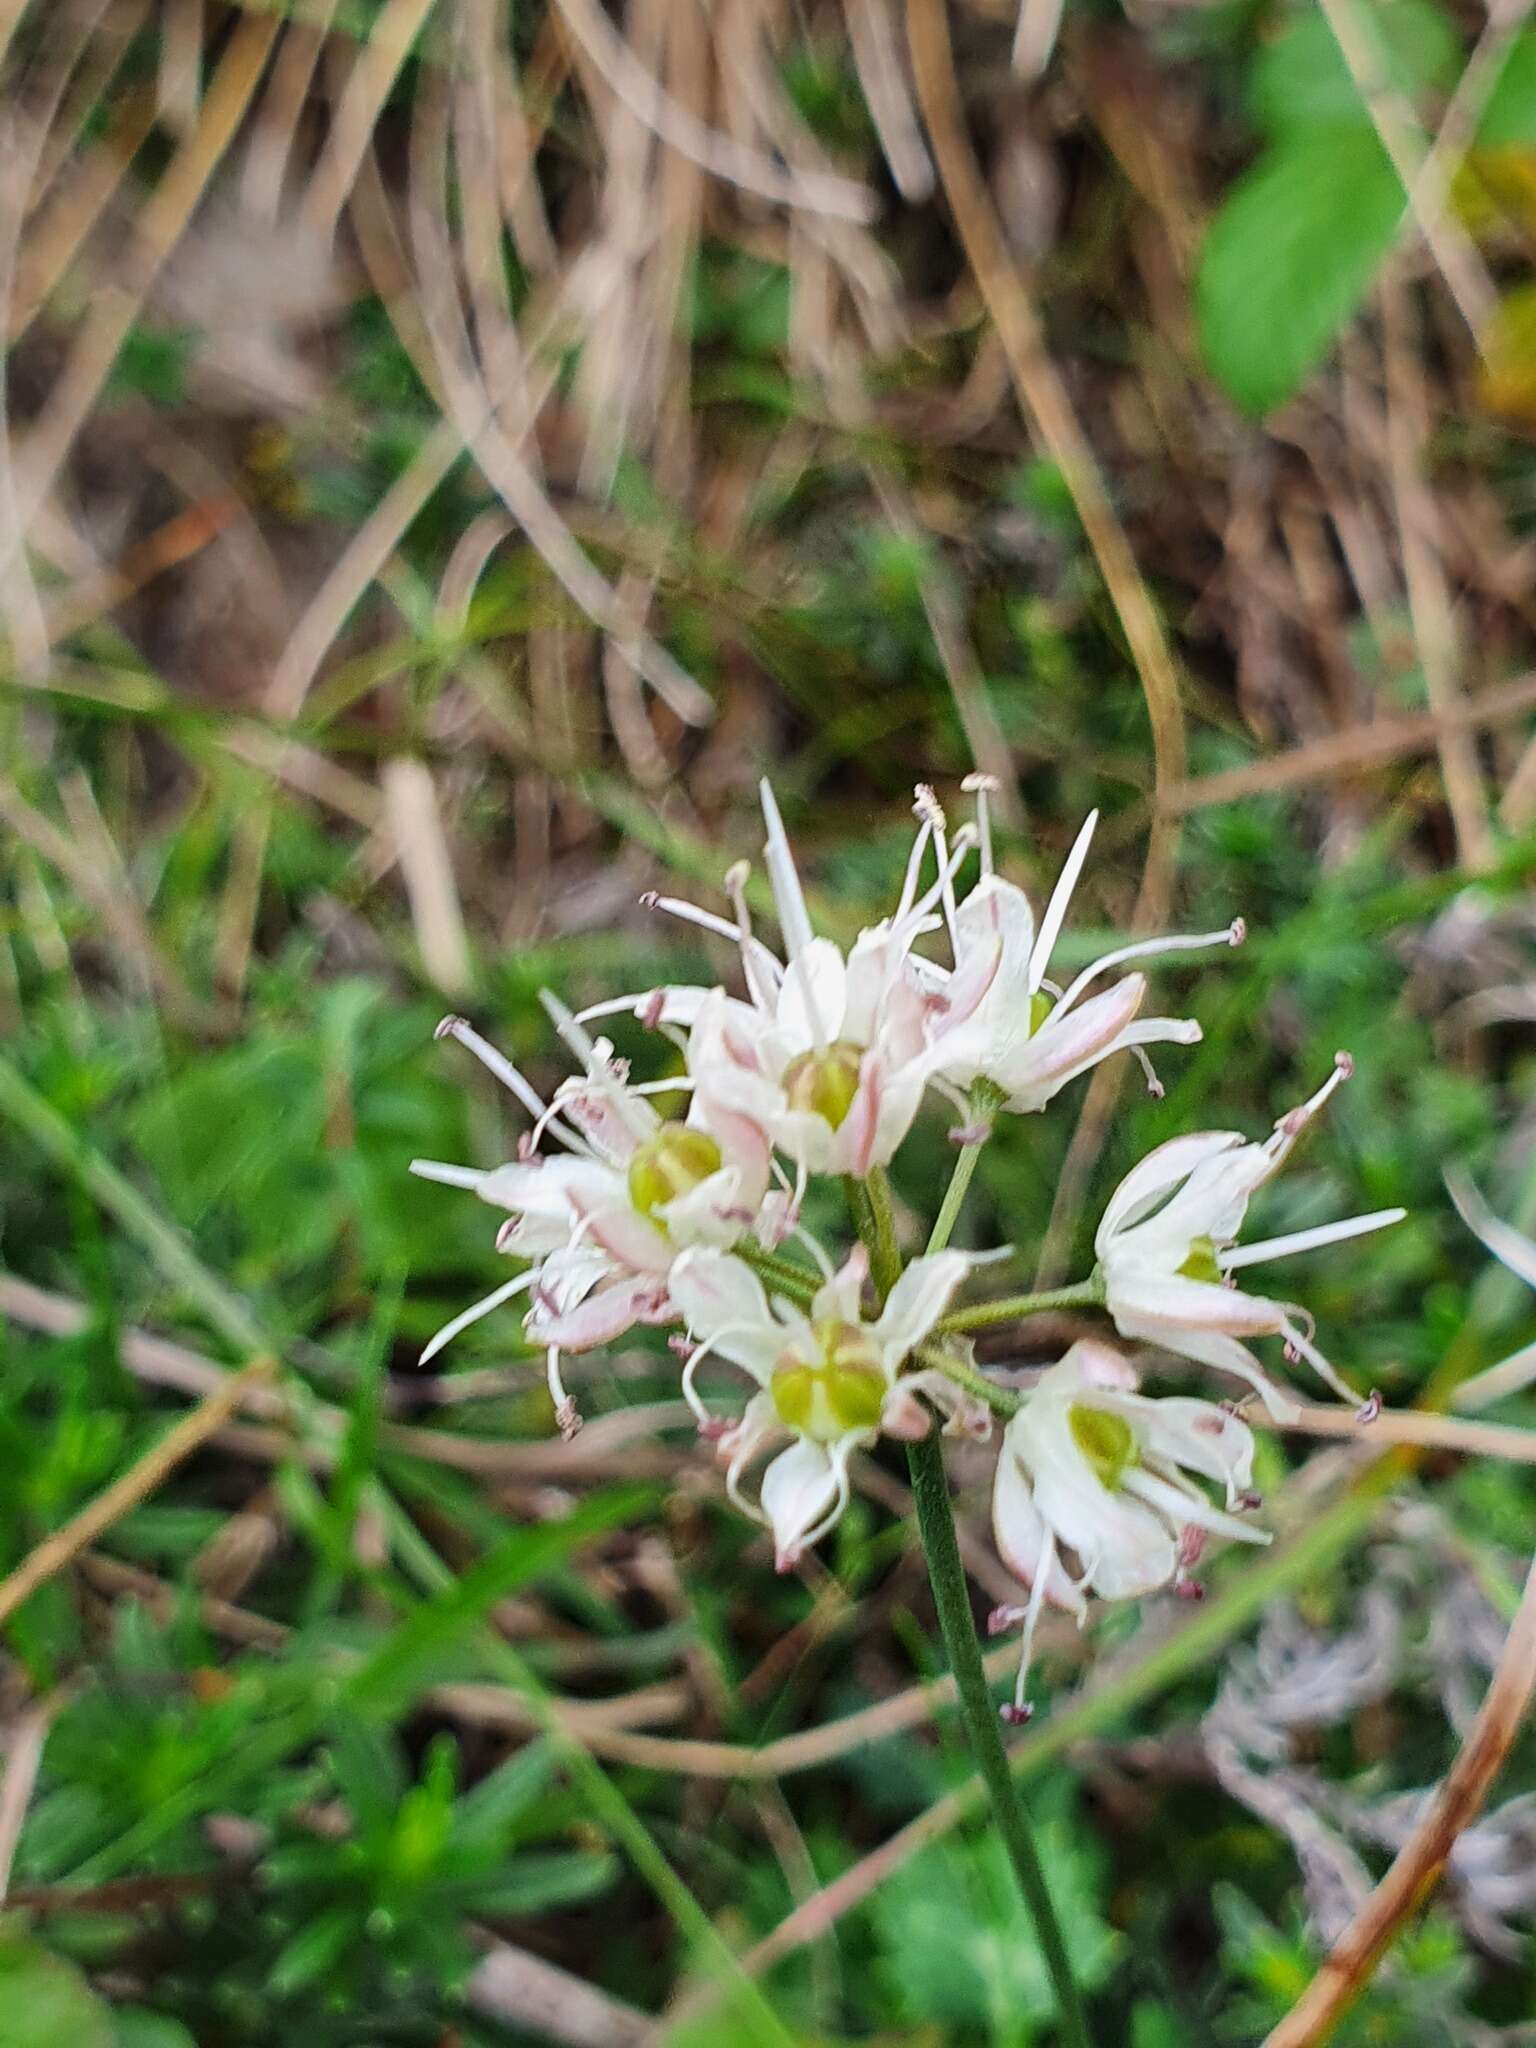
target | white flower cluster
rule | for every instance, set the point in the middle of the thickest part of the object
(622, 1217)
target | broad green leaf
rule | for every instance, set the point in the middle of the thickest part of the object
(1301, 80)
(1509, 119)
(1289, 258)
(44, 2001)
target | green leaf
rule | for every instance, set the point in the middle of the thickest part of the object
(136, 2028)
(44, 2001)
(1301, 81)
(533, 1883)
(314, 1951)
(1509, 119)
(1289, 258)
(957, 1944)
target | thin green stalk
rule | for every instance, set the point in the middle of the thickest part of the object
(987, 1315)
(791, 1279)
(936, 1523)
(869, 1202)
(884, 1258)
(954, 1195)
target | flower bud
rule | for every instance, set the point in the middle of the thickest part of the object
(825, 1083)
(671, 1164)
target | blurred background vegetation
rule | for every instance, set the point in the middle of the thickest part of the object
(452, 449)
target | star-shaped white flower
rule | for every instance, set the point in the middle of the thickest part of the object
(1167, 1248)
(603, 1221)
(829, 1052)
(998, 1017)
(829, 1378)
(1094, 1477)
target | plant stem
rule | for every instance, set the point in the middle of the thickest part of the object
(955, 1194)
(986, 1315)
(936, 1523)
(781, 1273)
(884, 1258)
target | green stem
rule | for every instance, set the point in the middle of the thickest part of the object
(986, 1315)
(936, 1522)
(884, 1258)
(954, 1195)
(781, 1273)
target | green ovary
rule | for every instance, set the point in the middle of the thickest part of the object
(1105, 1440)
(825, 1083)
(1040, 1007)
(671, 1164)
(840, 1390)
(1201, 1263)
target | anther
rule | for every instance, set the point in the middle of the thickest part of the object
(1189, 1589)
(449, 1027)
(1237, 931)
(979, 780)
(1015, 1716)
(1003, 1618)
(1371, 1410)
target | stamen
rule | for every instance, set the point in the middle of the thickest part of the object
(1155, 1087)
(1143, 949)
(483, 1307)
(690, 913)
(982, 788)
(1031, 1619)
(1306, 1349)
(1296, 1120)
(914, 866)
(461, 1029)
(567, 1421)
(1371, 1409)
(952, 856)
(817, 1251)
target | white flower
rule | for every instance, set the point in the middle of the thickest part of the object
(998, 1017)
(1093, 1469)
(827, 1377)
(603, 1221)
(1516, 1251)
(1167, 1248)
(829, 1053)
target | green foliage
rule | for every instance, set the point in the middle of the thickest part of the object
(45, 2002)
(1295, 246)
(955, 1943)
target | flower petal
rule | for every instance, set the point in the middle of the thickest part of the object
(814, 996)
(799, 1489)
(603, 1316)
(916, 1302)
(722, 1301)
(1018, 1529)
(1152, 1179)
